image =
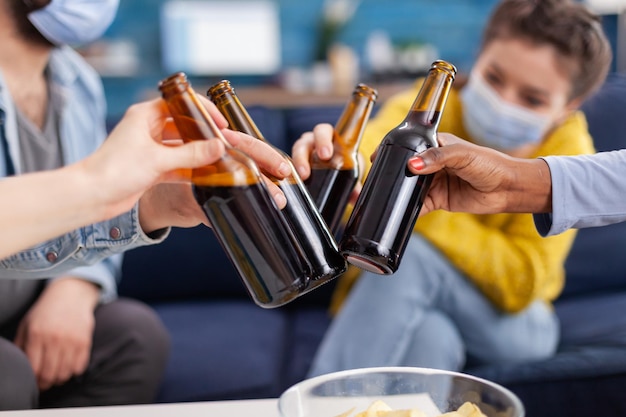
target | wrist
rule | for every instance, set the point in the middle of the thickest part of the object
(76, 289)
(530, 187)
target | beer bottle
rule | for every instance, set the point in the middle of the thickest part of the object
(243, 215)
(331, 182)
(300, 213)
(383, 218)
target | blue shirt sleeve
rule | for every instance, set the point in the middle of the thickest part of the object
(587, 191)
(80, 248)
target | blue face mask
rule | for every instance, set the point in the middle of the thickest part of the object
(496, 123)
(74, 22)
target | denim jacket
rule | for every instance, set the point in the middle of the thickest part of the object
(93, 252)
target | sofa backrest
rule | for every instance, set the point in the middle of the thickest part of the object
(597, 262)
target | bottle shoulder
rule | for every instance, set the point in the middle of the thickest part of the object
(415, 137)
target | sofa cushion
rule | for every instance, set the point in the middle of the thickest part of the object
(593, 342)
(222, 350)
(189, 264)
(308, 326)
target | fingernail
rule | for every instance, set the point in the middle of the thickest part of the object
(325, 152)
(302, 171)
(284, 169)
(280, 199)
(417, 163)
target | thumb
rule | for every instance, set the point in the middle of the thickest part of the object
(454, 153)
(193, 154)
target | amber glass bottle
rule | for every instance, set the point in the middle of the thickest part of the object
(242, 213)
(331, 182)
(383, 218)
(300, 213)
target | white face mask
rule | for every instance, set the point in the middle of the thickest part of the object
(74, 22)
(494, 122)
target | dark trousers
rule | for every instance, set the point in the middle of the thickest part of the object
(128, 357)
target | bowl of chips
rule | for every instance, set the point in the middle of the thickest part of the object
(398, 392)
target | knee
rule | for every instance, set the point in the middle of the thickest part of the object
(141, 329)
(518, 346)
(18, 386)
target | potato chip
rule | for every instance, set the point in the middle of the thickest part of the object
(381, 409)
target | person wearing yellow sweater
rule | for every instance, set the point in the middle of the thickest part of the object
(478, 287)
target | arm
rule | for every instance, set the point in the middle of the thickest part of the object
(480, 180)
(96, 188)
(588, 191)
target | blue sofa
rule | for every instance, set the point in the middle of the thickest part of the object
(225, 347)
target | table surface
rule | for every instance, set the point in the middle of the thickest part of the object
(244, 408)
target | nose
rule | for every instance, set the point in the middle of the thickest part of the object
(509, 94)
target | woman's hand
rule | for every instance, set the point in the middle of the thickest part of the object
(481, 180)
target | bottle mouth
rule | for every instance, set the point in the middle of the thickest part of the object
(368, 265)
(445, 66)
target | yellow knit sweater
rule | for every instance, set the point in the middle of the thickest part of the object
(502, 254)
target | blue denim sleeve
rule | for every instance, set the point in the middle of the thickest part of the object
(105, 274)
(587, 191)
(82, 247)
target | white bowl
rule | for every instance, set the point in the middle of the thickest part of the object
(430, 390)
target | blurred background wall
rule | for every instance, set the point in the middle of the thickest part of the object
(131, 55)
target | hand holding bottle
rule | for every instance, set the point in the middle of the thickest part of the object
(319, 141)
(480, 180)
(172, 202)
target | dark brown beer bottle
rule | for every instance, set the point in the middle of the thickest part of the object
(300, 213)
(331, 182)
(383, 218)
(243, 215)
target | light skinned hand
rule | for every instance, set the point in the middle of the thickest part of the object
(320, 142)
(126, 168)
(481, 180)
(172, 203)
(56, 333)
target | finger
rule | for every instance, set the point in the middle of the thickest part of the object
(190, 155)
(354, 195)
(374, 154)
(50, 361)
(301, 154)
(323, 135)
(267, 158)
(453, 154)
(217, 116)
(276, 193)
(80, 359)
(65, 369)
(33, 348)
(20, 337)
(157, 116)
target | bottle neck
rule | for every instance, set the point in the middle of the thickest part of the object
(431, 100)
(351, 123)
(227, 102)
(192, 119)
